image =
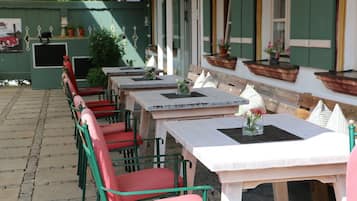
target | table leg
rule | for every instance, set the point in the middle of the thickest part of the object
(191, 171)
(340, 187)
(160, 132)
(280, 191)
(231, 192)
(144, 130)
(122, 98)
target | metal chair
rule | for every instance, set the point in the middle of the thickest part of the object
(351, 176)
(139, 185)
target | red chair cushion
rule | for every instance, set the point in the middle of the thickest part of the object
(101, 111)
(99, 103)
(90, 91)
(147, 179)
(108, 129)
(121, 139)
(189, 197)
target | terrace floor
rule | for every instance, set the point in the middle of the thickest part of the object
(38, 155)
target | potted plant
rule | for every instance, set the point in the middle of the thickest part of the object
(274, 50)
(223, 48)
(105, 51)
(70, 30)
(182, 87)
(80, 31)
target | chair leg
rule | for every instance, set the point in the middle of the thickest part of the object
(84, 179)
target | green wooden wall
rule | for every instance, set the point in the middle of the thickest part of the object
(97, 14)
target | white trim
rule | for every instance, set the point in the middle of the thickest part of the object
(241, 40)
(160, 42)
(46, 67)
(206, 38)
(194, 29)
(169, 38)
(310, 43)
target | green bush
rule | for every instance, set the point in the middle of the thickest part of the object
(104, 48)
(96, 77)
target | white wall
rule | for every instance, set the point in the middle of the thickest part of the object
(306, 81)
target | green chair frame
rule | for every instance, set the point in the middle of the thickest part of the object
(101, 190)
(352, 134)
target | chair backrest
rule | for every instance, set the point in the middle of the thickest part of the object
(104, 160)
(352, 134)
(67, 65)
(69, 84)
(351, 177)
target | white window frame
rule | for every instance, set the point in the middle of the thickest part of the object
(286, 20)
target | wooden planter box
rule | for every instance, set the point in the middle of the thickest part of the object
(342, 82)
(282, 71)
(225, 62)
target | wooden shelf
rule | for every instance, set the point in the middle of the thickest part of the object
(342, 82)
(282, 71)
(224, 62)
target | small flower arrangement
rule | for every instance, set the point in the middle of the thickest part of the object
(223, 44)
(251, 127)
(275, 49)
(182, 87)
(150, 74)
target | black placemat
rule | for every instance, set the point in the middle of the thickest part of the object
(144, 79)
(175, 95)
(271, 134)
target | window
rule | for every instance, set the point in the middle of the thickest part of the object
(280, 22)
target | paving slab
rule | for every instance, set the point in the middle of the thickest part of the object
(18, 152)
(15, 142)
(20, 127)
(58, 132)
(45, 176)
(62, 122)
(60, 191)
(60, 149)
(16, 134)
(11, 178)
(69, 160)
(58, 140)
(9, 194)
(13, 164)
(23, 115)
(20, 121)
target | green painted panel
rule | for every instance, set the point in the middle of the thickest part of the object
(322, 58)
(323, 19)
(248, 27)
(236, 49)
(176, 22)
(299, 56)
(299, 29)
(207, 25)
(46, 78)
(236, 18)
(299, 19)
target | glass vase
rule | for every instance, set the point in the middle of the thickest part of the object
(252, 129)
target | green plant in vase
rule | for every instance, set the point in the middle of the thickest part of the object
(150, 74)
(182, 87)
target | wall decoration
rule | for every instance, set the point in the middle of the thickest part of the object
(10, 35)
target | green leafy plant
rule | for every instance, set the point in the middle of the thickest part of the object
(150, 74)
(182, 87)
(104, 48)
(96, 77)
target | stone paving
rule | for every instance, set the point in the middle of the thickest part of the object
(38, 155)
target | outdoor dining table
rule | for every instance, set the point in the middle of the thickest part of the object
(123, 71)
(124, 85)
(163, 105)
(290, 149)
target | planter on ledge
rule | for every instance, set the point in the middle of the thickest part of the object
(282, 71)
(225, 62)
(342, 82)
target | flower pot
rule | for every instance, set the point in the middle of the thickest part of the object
(80, 32)
(255, 129)
(70, 32)
(223, 52)
(273, 59)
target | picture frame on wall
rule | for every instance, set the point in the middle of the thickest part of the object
(10, 35)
